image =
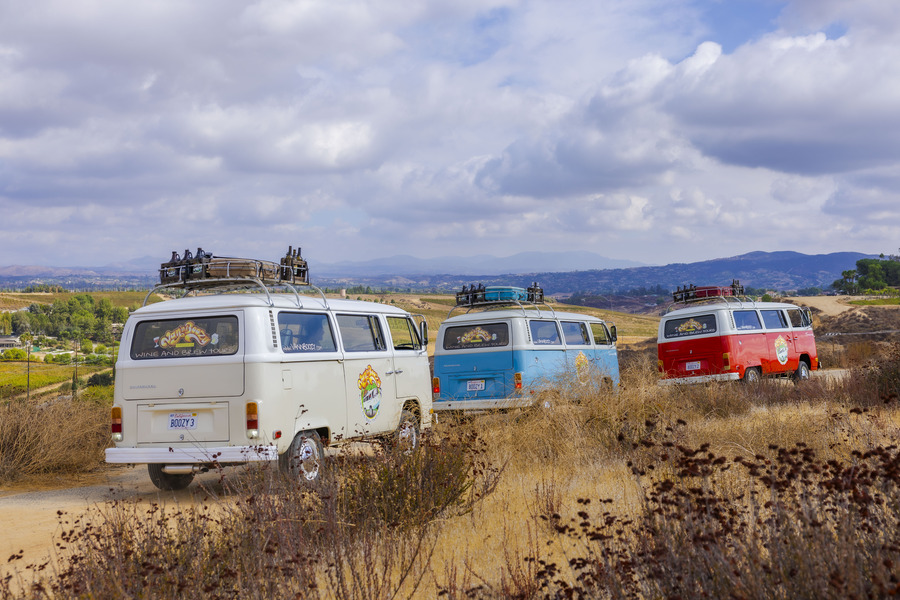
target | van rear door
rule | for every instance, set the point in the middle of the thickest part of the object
(197, 356)
(476, 362)
(691, 346)
(177, 369)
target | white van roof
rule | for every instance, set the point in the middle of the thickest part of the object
(279, 301)
(529, 313)
(696, 309)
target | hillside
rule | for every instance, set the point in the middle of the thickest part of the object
(555, 271)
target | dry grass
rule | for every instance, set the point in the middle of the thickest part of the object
(717, 490)
(61, 436)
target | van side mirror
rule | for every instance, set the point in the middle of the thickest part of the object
(423, 333)
(613, 334)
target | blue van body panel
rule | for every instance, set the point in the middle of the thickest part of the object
(482, 378)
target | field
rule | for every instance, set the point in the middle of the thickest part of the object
(720, 491)
(16, 301)
(14, 376)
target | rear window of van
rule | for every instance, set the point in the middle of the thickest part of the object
(483, 335)
(688, 326)
(185, 338)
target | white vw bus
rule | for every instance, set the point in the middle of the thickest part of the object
(225, 378)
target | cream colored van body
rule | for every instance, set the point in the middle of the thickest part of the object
(231, 378)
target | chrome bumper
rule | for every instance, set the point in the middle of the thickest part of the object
(168, 455)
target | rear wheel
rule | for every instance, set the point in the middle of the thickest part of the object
(408, 432)
(802, 373)
(304, 459)
(751, 375)
(167, 481)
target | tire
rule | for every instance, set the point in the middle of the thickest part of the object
(751, 376)
(167, 481)
(407, 436)
(802, 373)
(304, 460)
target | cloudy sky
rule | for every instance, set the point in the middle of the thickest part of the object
(654, 130)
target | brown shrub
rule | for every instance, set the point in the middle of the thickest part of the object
(62, 436)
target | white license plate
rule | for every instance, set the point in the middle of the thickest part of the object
(183, 420)
(692, 366)
(475, 385)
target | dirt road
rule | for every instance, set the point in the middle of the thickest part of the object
(29, 520)
(830, 306)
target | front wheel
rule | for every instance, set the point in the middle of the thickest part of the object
(802, 373)
(167, 481)
(751, 375)
(304, 459)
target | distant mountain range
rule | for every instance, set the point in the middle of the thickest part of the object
(524, 262)
(557, 272)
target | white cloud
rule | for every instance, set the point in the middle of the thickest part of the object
(449, 126)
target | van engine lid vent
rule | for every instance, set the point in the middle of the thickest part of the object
(274, 331)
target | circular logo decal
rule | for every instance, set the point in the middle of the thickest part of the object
(370, 392)
(781, 350)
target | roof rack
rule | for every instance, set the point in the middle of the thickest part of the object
(479, 296)
(690, 294)
(203, 271)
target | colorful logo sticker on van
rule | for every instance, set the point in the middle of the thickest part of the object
(781, 350)
(476, 335)
(690, 326)
(582, 367)
(184, 336)
(370, 392)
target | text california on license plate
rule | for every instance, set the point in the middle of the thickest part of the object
(475, 385)
(183, 420)
(692, 366)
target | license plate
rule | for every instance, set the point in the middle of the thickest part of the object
(475, 385)
(692, 366)
(184, 420)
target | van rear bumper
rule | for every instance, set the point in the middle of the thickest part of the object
(488, 404)
(699, 379)
(169, 455)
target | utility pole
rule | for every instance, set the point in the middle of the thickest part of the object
(27, 337)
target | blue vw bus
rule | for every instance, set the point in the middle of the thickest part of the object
(510, 344)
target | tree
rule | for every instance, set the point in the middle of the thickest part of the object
(848, 282)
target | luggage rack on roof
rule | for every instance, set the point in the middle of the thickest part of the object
(486, 298)
(691, 294)
(204, 272)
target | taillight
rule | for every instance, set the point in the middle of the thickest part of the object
(726, 361)
(435, 385)
(518, 379)
(116, 423)
(252, 420)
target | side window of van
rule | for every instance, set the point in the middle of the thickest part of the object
(544, 333)
(798, 318)
(305, 332)
(361, 333)
(601, 334)
(774, 319)
(403, 334)
(746, 319)
(575, 333)
(483, 335)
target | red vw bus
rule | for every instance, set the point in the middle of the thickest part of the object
(720, 335)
